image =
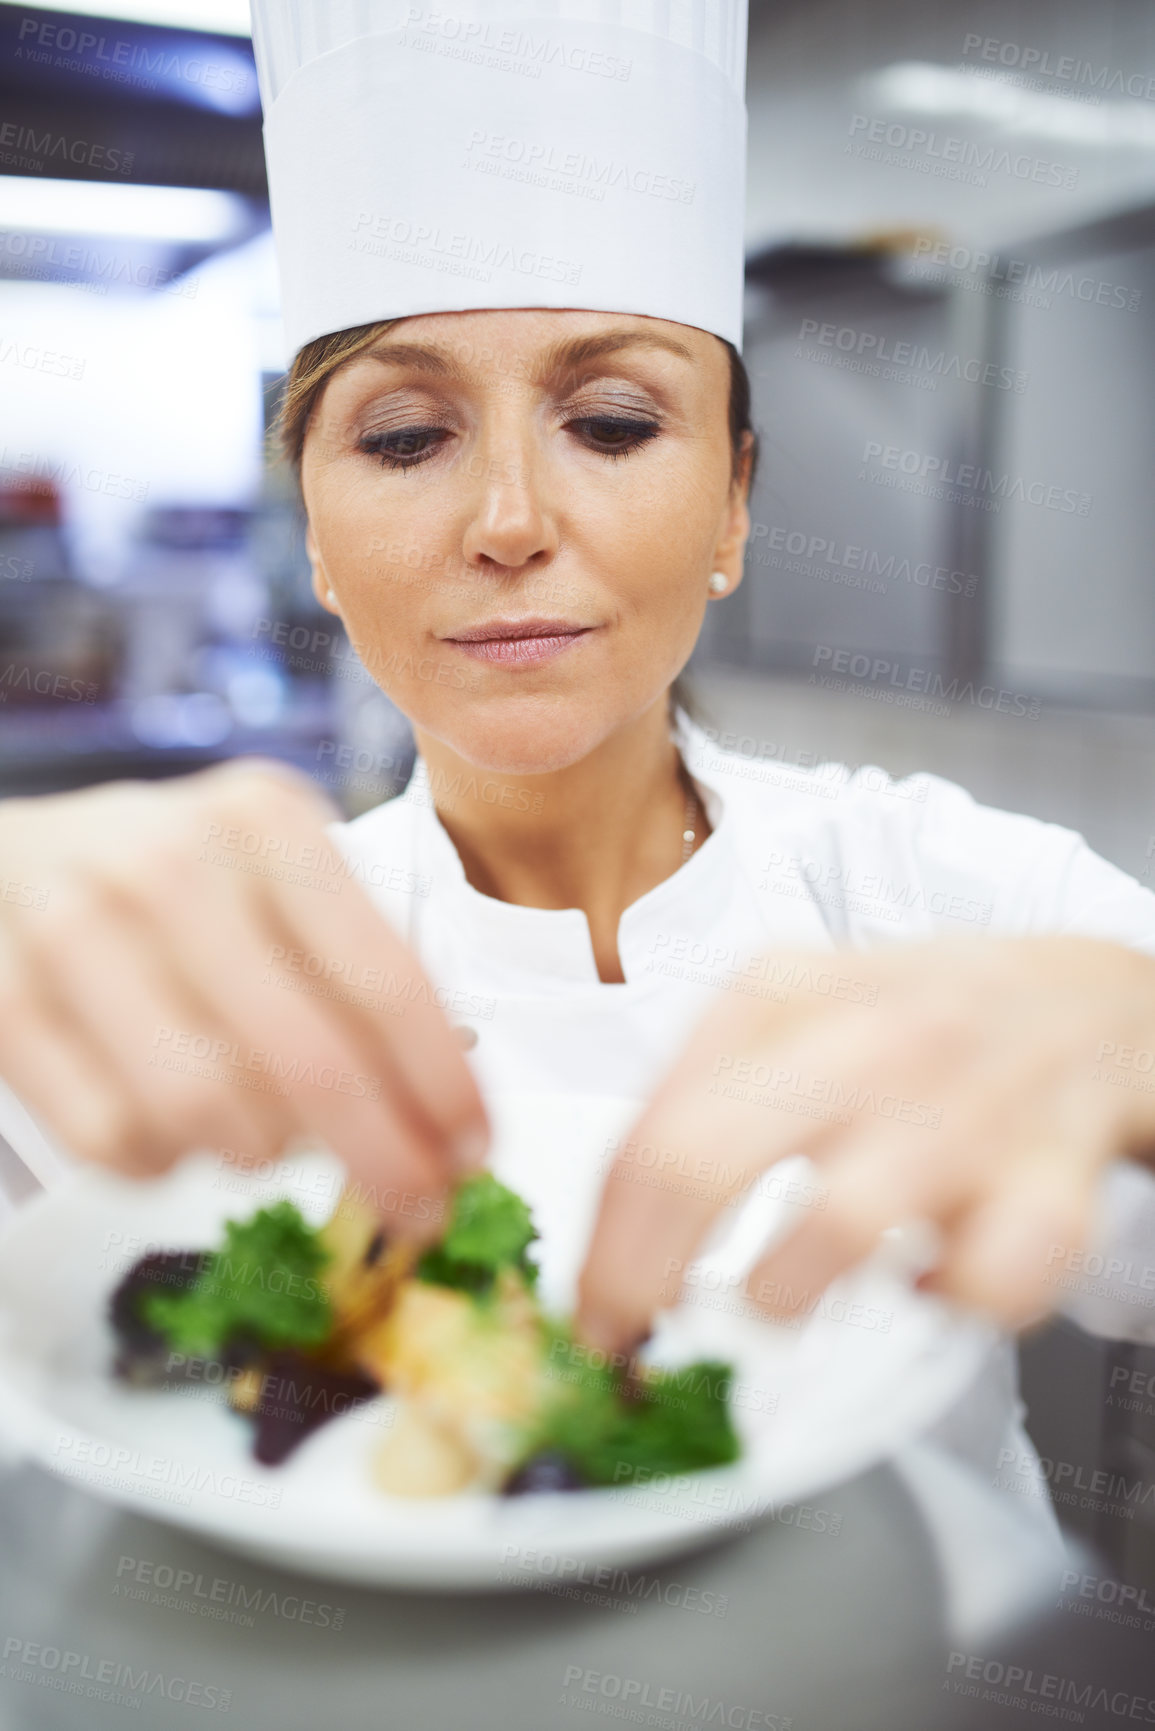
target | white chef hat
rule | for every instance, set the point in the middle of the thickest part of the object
(505, 153)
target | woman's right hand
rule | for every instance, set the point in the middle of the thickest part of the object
(162, 990)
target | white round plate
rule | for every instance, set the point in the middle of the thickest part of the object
(870, 1368)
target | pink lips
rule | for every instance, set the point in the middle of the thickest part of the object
(518, 642)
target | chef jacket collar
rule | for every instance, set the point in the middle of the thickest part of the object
(554, 944)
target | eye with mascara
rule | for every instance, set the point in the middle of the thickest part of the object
(403, 449)
(615, 436)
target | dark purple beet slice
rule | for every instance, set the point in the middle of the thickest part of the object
(143, 1354)
(542, 1472)
(297, 1397)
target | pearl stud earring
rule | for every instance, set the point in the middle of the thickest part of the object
(719, 583)
(332, 597)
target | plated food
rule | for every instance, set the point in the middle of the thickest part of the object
(812, 1406)
(301, 1324)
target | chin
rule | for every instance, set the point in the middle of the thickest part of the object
(526, 736)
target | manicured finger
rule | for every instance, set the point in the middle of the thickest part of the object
(398, 1020)
(322, 913)
(53, 1072)
(294, 1053)
(710, 1146)
(997, 1261)
(108, 992)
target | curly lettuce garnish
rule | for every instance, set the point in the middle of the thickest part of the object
(263, 1286)
(489, 1229)
(608, 1430)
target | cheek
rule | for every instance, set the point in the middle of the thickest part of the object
(664, 552)
(385, 561)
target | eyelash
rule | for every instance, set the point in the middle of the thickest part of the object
(378, 444)
(643, 432)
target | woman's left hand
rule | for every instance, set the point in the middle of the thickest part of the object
(980, 1084)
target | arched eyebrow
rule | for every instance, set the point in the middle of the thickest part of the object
(571, 355)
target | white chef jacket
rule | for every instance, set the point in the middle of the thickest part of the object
(798, 859)
(820, 859)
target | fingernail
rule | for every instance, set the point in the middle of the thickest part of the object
(470, 1148)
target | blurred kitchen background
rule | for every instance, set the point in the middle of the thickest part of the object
(951, 336)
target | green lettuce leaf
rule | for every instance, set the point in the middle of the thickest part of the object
(262, 1287)
(672, 1421)
(490, 1228)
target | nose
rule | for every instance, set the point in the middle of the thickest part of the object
(511, 525)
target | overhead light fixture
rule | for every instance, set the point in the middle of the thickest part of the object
(217, 17)
(190, 214)
(995, 99)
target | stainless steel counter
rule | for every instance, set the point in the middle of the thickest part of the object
(828, 1617)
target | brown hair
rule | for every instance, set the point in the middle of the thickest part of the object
(315, 364)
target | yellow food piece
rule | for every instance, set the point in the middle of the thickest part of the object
(346, 1237)
(420, 1458)
(475, 1370)
(359, 1294)
(457, 1354)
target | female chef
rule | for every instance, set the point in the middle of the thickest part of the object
(511, 251)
